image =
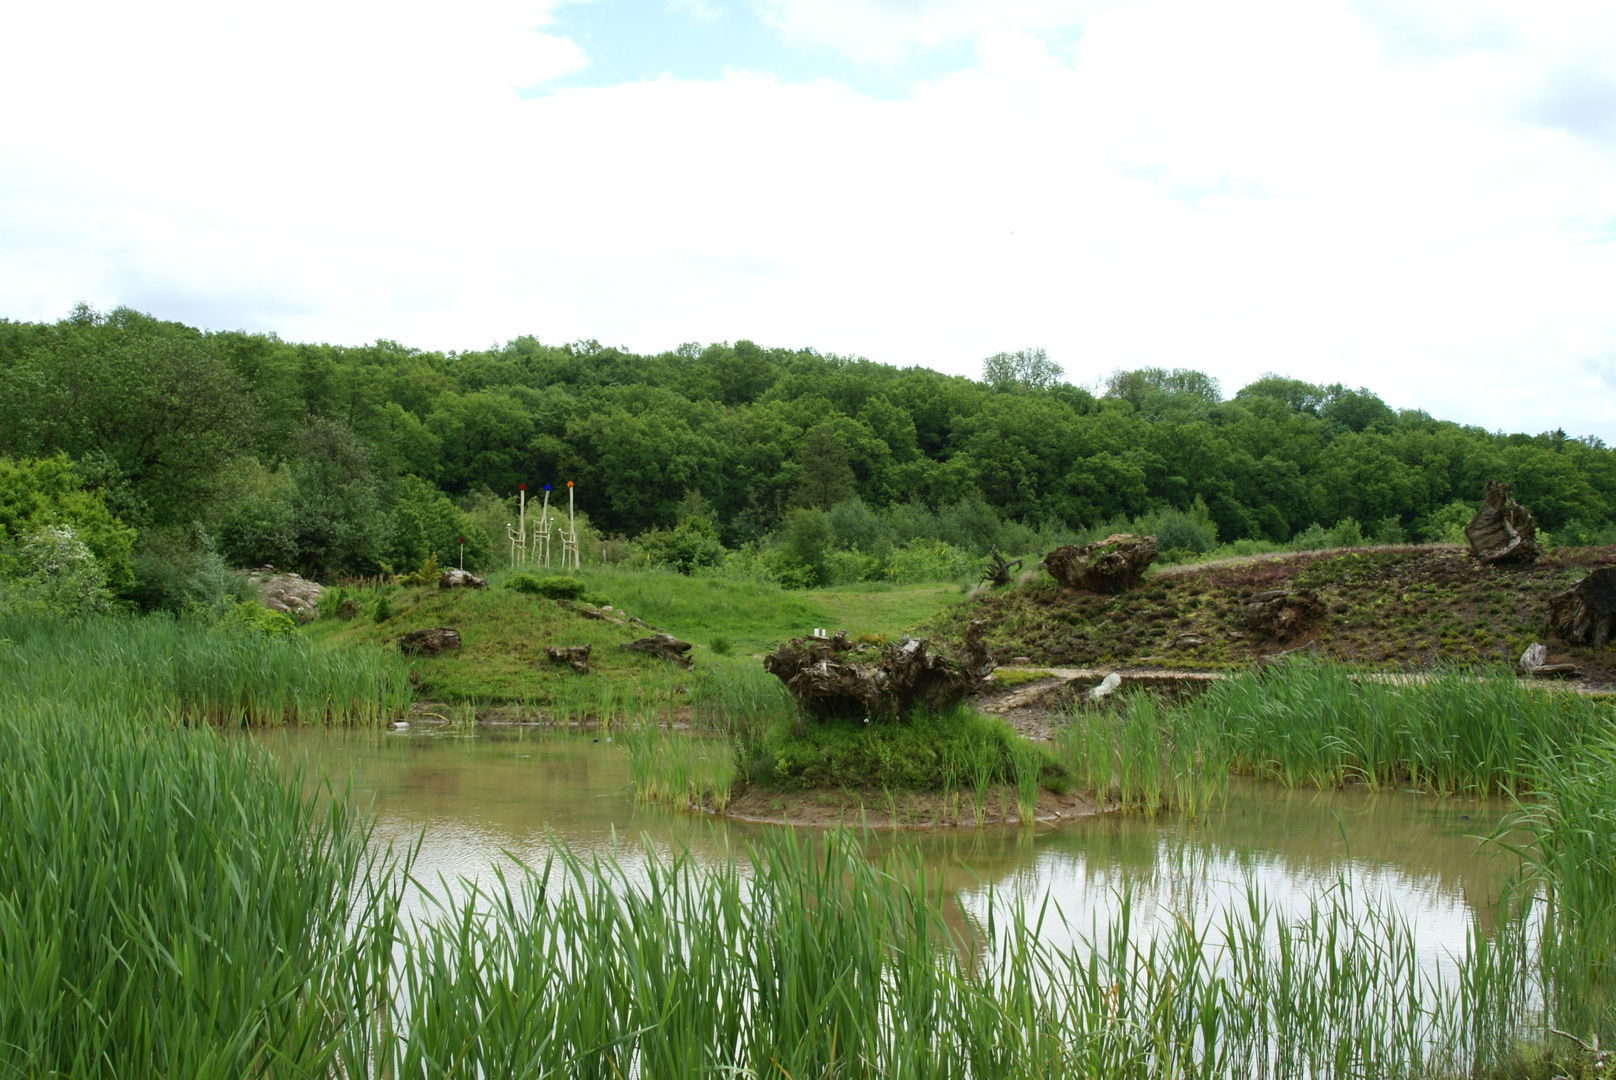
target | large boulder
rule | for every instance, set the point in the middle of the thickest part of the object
(1585, 614)
(287, 593)
(1502, 530)
(831, 677)
(1112, 565)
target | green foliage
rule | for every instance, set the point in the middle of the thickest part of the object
(1024, 369)
(1446, 526)
(384, 608)
(55, 576)
(552, 587)
(692, 545)
(330, 459)
(177, 570)
(804, 543)
(48, 492)
(721, 645)
(251, 617)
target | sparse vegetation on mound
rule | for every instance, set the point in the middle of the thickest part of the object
(1393, 607)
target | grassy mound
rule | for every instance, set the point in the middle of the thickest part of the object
(506, 629)
(957, 749)
(1405, 607)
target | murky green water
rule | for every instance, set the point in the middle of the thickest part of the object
(474, 798)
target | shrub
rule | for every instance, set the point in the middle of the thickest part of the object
(554, 587)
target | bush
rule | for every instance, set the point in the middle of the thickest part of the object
(252, 617)
(554, 587)
(692, 545)
(178, 570)
(57, 577)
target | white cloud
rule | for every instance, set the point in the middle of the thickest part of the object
(1241, 188)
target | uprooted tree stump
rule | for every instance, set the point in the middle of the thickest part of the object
(998, 574)
(575, 655)
(1112, 565)
(1502, 530)
(1283, 615)
(1585, 614)
(830, 677)
(439, 639)
(664, 645)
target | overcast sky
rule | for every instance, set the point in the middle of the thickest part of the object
(1415, 197)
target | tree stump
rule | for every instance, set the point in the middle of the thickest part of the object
(439, 639)
(1585, 614)
(1502, 530)
(829, 677)
(453, 578)
(998, 574)
(1111, 565)
(664, 645)
(575, 655)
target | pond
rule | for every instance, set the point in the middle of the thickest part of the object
(477, 796)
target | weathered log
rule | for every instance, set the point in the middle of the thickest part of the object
(1111, 565)
(830, 677)
(998, 574)
(575, 655)
(454, 578)
(439, 639)
(1585, 614)
(1502, 530)
(1283, 615)
(664, 645)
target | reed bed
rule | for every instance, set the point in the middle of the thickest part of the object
(817, 962)
(184, 672)
(1145, 756)
(1326, 726)
(677, 768)
(1449, 733)
(171, 906)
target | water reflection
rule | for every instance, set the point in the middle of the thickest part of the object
(476, 797)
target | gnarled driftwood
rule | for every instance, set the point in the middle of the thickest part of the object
(575, 655)
(830, 677)
(1585, 614)
(664, 645)
(998, 574)
(439, 639)
(1502, 530)
(1111, 565)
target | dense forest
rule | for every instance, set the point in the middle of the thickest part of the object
(167, 447)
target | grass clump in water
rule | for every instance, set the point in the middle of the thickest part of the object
(951, 749)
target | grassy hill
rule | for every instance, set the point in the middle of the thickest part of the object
(1389, 607)
(505, 633)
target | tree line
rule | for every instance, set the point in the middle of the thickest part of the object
(333, 459)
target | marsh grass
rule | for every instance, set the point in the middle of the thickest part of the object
(170, 905)
(819, 960)
(184, 672)
(676, 768)
(1326, 726)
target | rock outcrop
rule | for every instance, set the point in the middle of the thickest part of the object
(1502, 530)
(831, 677)
(287, 593)
(1111, 565)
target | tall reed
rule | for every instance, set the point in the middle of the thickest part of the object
(818, 962)
(182, 671)
(171, 905)
(1144, 755)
